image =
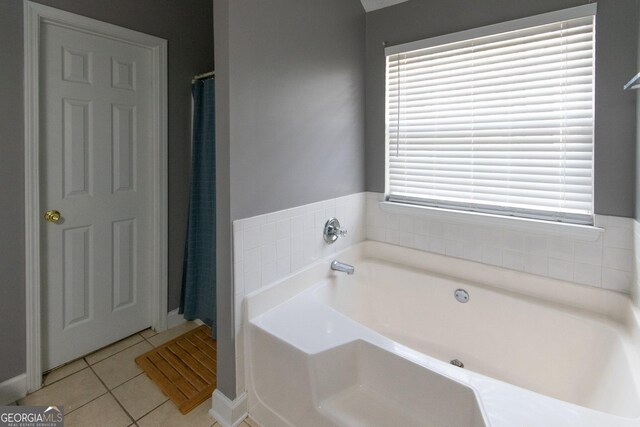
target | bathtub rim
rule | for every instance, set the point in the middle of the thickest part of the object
(614, 305)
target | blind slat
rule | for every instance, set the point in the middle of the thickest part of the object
(501, 123)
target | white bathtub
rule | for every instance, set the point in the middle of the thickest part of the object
(324, 348)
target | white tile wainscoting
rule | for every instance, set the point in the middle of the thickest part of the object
(606, 262)
(268, 248)
(635, 289)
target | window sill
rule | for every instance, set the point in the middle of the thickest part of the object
(573, 231)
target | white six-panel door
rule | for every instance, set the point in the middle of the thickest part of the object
(96, 170)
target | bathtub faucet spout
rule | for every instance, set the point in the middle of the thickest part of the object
(341, 266)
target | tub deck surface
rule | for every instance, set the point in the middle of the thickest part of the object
(528, 361)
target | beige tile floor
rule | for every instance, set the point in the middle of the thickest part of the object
(107, 388)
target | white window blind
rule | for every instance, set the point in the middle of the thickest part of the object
(499, 123)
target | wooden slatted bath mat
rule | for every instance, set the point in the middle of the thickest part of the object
(184, 368)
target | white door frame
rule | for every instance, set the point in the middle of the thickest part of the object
(34, 15)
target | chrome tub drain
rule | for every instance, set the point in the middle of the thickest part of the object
(461, 295)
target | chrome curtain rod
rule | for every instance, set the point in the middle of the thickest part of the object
(203, 76)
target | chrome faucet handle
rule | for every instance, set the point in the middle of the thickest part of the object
(332, 231)
(340, 232)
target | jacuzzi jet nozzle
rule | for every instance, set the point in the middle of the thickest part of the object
(456, 362)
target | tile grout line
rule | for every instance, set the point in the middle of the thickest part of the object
(84, 358)
(108, 390)
(165, 341)
(119, 351)
(112, 395)
(66, 376)
(85, 404)
(94, 399)
(155, 407)
(50, 371)
(149, 342)
(135, 421)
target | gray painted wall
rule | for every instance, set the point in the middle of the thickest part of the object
(616, 40)
(187, 25)
(297, 106)
(226, 362)
(12, 297)
(637, 180)
(290, 118)
(615, 130)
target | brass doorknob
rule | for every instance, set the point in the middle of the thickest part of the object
(52, 216)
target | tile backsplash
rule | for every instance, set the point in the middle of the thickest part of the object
(635, 289)
(607, 262)
(267, 248)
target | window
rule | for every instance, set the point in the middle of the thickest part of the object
(497, 119)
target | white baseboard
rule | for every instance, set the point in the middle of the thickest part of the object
(226, 412)
(174, 319)
(13, 389)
